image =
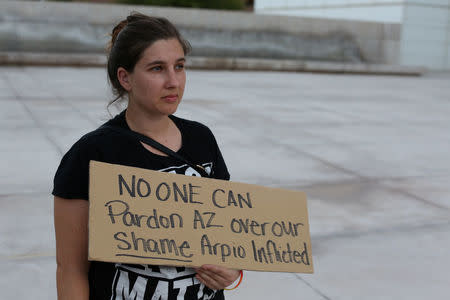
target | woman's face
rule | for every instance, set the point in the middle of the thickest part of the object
(157, 82)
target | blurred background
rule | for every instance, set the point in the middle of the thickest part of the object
(348, 101)
(394, 33)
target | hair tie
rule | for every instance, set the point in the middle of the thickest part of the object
(117, 31)
(239, 282)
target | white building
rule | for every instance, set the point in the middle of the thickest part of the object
(425, 36)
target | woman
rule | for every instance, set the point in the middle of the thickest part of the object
(145, 65)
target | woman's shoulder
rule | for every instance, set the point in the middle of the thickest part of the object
(102, 135)
(94, 142)
(93, 139)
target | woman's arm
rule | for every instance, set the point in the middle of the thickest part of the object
(71, 232)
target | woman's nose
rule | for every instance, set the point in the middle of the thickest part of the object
(172, 79)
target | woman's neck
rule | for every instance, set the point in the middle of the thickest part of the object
(154, 126)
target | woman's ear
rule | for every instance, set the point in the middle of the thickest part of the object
(124, 78)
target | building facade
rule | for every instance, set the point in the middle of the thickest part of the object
(425, 33)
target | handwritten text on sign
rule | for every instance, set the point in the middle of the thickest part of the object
(147, 217)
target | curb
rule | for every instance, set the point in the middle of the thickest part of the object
(215, 63)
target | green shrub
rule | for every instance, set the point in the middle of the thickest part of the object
(212, 4)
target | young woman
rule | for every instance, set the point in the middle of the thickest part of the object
(146, 66)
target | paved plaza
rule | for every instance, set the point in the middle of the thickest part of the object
(372, 154)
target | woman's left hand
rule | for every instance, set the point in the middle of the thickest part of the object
(216, 277)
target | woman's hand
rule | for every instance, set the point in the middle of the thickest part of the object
(216, 277)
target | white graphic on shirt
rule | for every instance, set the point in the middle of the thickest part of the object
(123, 287)
(182, 286)
(161, 291)
(187, 170)
(157, 271)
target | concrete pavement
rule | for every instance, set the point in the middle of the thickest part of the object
(371, 152)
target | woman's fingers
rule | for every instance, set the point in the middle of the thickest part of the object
(213, 279)
(216, 277)
(208, 281)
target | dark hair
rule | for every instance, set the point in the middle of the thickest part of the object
(129, 39)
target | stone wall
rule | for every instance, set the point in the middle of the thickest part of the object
(55, 27)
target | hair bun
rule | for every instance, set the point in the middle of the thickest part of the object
(115, 32)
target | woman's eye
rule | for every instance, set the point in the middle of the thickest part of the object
(179, 67)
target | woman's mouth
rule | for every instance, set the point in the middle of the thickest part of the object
(171, 98)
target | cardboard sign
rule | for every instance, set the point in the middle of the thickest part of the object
(148, 217)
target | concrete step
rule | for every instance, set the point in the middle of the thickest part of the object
(217, 63)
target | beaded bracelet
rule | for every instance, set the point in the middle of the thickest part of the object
(239, 282)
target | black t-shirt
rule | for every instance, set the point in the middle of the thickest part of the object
(128, 281)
